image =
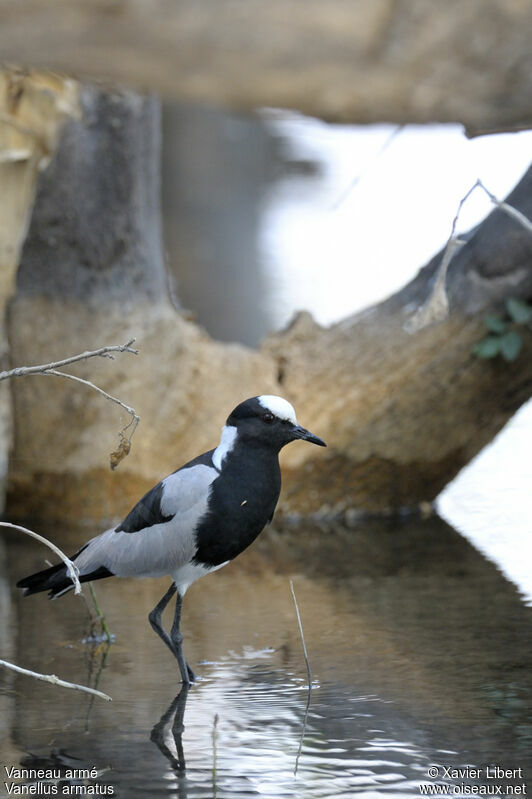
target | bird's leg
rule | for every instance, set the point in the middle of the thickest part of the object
(174, 643)
(187, 675)
(155, 618)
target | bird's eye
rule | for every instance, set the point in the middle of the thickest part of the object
(268, 418)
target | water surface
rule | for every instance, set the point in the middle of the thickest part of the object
(419, 650)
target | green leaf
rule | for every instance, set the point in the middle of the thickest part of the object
(495, 324)
(488, 347)
(519, 310)
(510, 345)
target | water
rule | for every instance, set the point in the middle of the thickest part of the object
(420, 651)
(378, 205)
(490, 502)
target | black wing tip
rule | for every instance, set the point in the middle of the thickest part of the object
(42, 580)
(37, 589)
(56, 580)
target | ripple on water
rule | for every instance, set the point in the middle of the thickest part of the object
(419, 649)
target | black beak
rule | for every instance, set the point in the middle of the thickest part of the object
(305, 435)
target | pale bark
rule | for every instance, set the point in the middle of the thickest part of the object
(358, 61)
(32, 111)
(54, 680)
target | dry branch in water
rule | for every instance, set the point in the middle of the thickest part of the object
(124, 445)
(71, 567)
(436, 308)
(508, 209)
(51, 678)
(309, 675)
(73, 574)
(214, 753)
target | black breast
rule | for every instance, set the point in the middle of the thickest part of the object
(241, 504)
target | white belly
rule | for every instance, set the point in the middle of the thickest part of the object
(190, 572)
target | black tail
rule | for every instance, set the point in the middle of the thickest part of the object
(56, 580)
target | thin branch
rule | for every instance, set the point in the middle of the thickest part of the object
(108, 635)
(71, 567)
(104, 650)
(55, 680)
(124, 445)
(214, 753)
(384, 146)
(309, 675)
(436, 308)
(301, 632)
(73, 574)
(508, 209)
(22, 371)
(135, 418)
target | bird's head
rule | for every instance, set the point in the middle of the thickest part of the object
(270, 421)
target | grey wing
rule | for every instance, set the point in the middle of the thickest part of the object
(148, 510)
(158, 535)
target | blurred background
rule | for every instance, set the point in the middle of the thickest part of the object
(263, 198)
(331, 219)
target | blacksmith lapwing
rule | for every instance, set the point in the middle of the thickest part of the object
(197, 519)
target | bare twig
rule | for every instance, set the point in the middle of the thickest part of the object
(354, 182)
(214, 752)
(71, 567)
(508, 209)
(54, 680)
(102, 649)
(131, 412)
(135, 418)
(309, 675)
(22, 371)
(436, 308)
(101, 618)
(52, 368)
(301, 632)
(73, 574)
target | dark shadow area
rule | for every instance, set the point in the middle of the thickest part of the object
(216, 168)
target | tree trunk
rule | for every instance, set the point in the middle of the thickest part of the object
(356, 61)
(401, 412)
(216, 171)
(32, 110)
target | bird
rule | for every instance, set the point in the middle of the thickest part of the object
(197, 519)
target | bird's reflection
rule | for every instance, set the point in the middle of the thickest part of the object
(170, 728)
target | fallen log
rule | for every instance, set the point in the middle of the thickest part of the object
(401, 411)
